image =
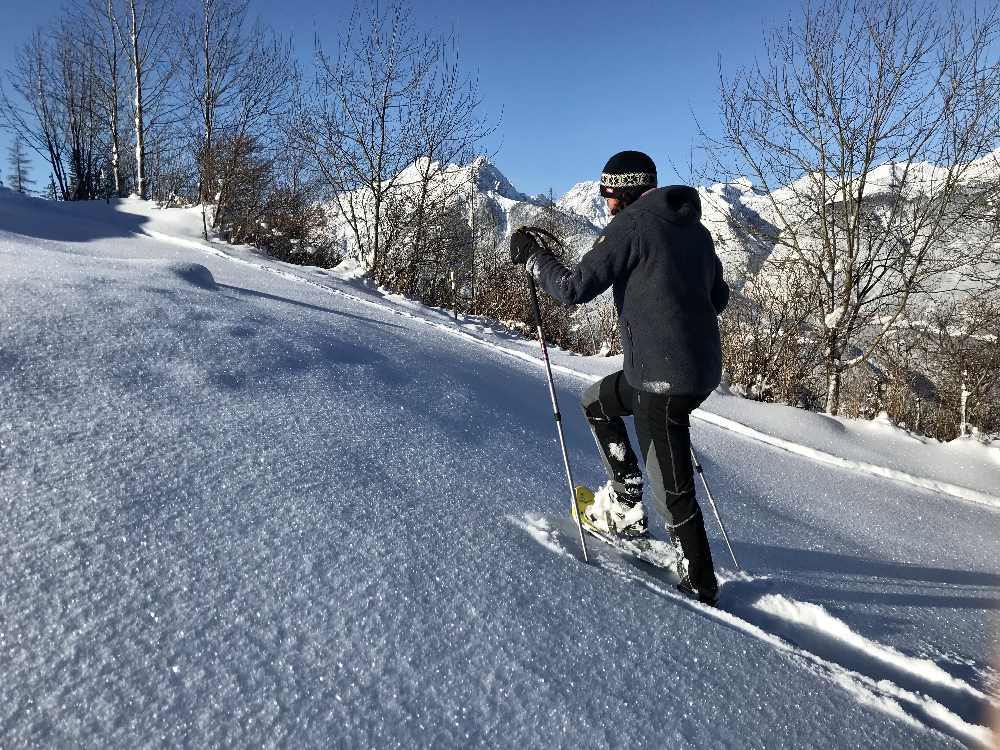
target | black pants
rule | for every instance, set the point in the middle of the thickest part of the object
(663, 427)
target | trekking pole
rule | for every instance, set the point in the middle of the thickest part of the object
(555, 409)
(711, 500)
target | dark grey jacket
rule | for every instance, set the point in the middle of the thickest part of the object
(668, 289)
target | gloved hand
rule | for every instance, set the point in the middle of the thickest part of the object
(522, 246)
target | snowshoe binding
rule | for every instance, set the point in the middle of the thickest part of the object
(616, 515)
(642, 546)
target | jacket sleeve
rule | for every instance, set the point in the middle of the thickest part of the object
(612, 257)
(720, 289)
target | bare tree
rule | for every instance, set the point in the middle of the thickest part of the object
(239, 84)
(99, 20)
(768, 347)
(391, 95)
(79, 91)
(445, 130)
(489, 246)
(66, 94)
(213, 41)
(143, 29)
(871, 127)
(55, 111)
(962, 342)
(17, 166)
(32, 106)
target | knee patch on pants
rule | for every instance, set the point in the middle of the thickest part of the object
(609, 398)
(591, 402)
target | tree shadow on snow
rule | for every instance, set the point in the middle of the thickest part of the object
(241, 291)
(84, 220)
(839, 565)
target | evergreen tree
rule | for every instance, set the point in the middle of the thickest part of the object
(17, 167)
(106, 184)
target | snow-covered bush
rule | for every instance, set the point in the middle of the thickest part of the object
(768, 350)
(922, 369)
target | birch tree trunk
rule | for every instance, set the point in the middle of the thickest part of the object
(112, 104)
(139, 123)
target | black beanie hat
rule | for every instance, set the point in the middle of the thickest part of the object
(626, 171)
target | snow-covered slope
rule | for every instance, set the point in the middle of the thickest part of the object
(251, 504)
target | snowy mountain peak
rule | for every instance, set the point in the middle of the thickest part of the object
(584, 199)
(489, 179)
(486, 177)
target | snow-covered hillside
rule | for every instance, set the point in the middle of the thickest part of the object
(253, 504)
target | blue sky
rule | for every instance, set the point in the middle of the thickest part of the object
(571, 82)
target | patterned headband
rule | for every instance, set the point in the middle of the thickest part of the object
(628, 179)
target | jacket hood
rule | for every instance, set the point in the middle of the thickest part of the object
(678, 204)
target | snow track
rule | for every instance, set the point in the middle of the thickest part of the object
(915, 690)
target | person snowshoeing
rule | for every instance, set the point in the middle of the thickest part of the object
(668, 290)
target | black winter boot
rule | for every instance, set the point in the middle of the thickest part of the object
(700, 578)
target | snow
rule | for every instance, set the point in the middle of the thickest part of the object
(584, 199)
(246, 503)
(963, 468)
(617, 450)
(833, 318)
(606, 508)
